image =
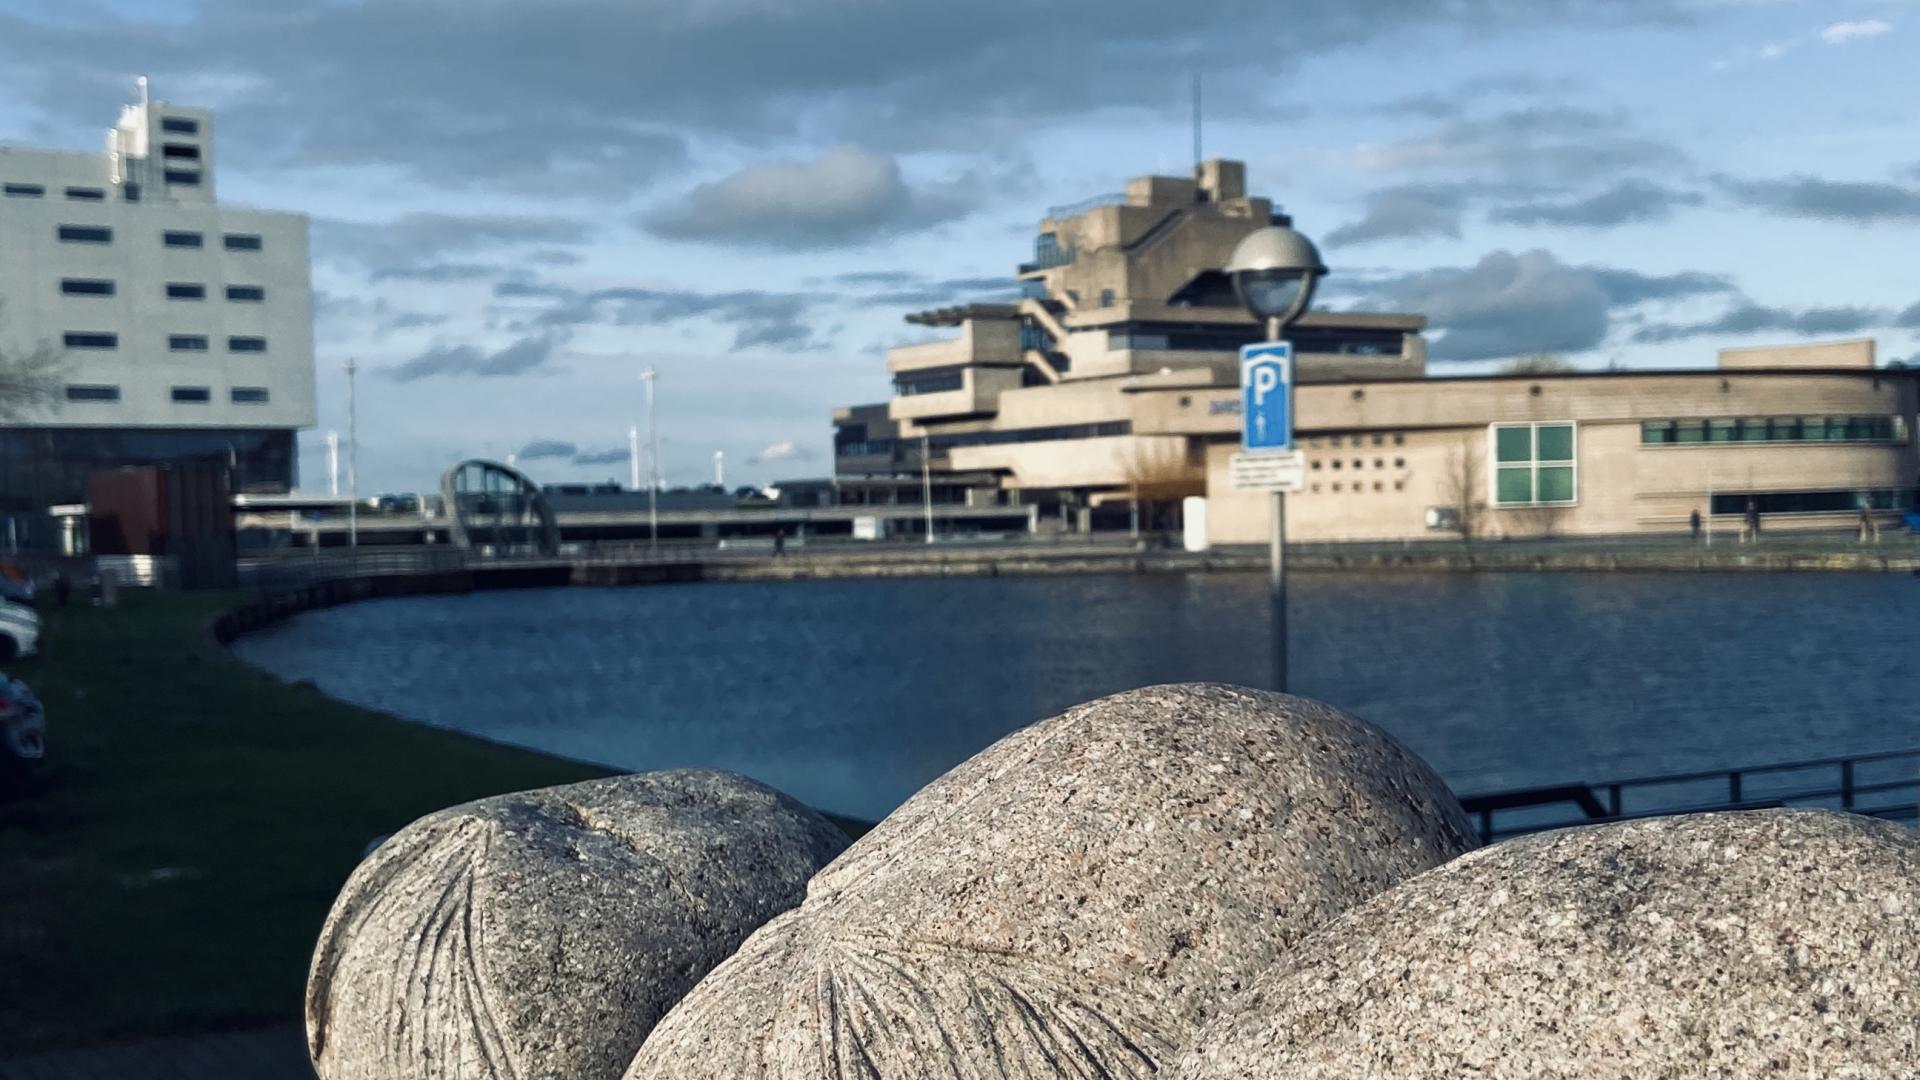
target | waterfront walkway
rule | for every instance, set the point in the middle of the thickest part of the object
(1897, 552)
(274, 1053)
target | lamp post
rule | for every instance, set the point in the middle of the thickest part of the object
(1274, 271)
(353, 464)
(653, 469)
(926, 481)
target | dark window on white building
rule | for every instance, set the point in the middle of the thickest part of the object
(246, 344)
(192, 395)
(243, 242)
(247, 294)
(85, 287)
(187, 342)
(91, 339)
(249, 395)
(183, 239)
(85, 234)
(92, 393)
(186, 290)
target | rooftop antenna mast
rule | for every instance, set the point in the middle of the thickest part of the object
(1197, 156)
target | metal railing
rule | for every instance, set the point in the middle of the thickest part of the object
(1885, 785)
(1075, 209)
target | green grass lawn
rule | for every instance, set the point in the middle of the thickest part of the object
(168, 866)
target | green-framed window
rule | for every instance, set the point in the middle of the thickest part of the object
(1852, 429)
(1535, 464)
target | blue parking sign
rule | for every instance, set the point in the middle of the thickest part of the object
(1266, 396)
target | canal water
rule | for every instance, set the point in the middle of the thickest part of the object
(853, 694)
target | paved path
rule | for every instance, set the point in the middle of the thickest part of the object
(275, 1053)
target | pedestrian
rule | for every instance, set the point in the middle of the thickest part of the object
(1869, 528)
(62, 588)
(779, 542)
(1693, 520)
(1752, 529)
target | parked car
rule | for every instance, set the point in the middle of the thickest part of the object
(19, 630)
(23, 725)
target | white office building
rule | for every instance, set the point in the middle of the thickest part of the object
(186, 326)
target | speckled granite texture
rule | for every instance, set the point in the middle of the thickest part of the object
(1075, 900)
(1769, 943)
(543, 934)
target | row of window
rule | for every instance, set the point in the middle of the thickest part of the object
(35, 191)
(1775, 429)
(1361, 463)
(173, 238)
(186, 395)
(1046, 434)
(929, 381)
(176, 290)
(99, 340)
(1810, 502)
(1359, 487)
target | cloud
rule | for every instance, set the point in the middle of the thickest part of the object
(1842, 32)
(1748, 318)
(547, 448)
(780, 451)
(525, 356)
(842, 198)
(1516, 304)
(1626, 288)
(1406, 212)
(1855, 202)
(1534, 144)
(1505, 305)
(1458, 100)
(784, 321)
(468, 93)
(437, 273)
(1908, 319)
(1627, 202)
(417, 243)
(906, 289)
(613, 456)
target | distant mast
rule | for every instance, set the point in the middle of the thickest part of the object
(1197, 156)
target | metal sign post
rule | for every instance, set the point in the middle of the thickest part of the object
(1268, 462)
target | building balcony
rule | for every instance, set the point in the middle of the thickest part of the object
(992, 341)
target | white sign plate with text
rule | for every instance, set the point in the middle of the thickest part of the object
(1269, 471)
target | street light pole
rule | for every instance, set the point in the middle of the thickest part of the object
(1274, 271)
(353, 464)
(653, 469)
(1277, 565)
(926, 481)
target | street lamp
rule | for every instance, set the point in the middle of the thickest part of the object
(1274, 272)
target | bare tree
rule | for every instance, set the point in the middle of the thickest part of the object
(1464, 485)
(1537, 364)
(30, 377)
(1159, 474)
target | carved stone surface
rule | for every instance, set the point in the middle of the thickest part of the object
(1768, 943)
(543, 934)
(1074, 900)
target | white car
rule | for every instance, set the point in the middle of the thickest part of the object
(19, 630)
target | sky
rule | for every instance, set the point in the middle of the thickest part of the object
(518, 207)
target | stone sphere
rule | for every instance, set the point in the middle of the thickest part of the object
(543, 934)
(1764, 943)
(1076, 899)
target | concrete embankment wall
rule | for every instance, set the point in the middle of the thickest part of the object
(278, 604)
